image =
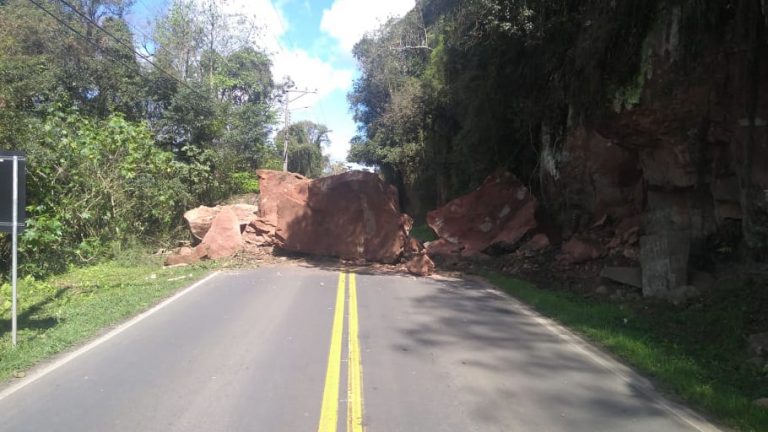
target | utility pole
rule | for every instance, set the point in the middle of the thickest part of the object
(287, 118)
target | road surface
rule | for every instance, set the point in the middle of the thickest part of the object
(294, 349)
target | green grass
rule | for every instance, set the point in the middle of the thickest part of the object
(58, 313)
(423, 233)
(696, 354)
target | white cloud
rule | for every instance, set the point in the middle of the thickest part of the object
(341, 134)
(311, 73)
(348, 20)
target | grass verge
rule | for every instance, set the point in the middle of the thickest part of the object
(62, 311)
(695, 354)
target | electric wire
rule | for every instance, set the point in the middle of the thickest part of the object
(82, 36)
(129, 47)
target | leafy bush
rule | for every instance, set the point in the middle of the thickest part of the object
(246, 182)
(96, 182)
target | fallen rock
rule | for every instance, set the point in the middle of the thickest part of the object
(223, 239)
(260, 233)
(578, 250)
(413, 247)
(420, 265)
(276, 187)
(199, 219)
(245, 213)
(631, 276)
(353, 215)
(442, 247)
(499, 213)
(183, 255)
(537, 243)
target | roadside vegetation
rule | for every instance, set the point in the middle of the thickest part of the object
(696, 354)
(126, 128)
(62, 311)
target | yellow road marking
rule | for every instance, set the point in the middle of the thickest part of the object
(330, 408)
(354, 368)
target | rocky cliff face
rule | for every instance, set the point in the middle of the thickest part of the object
(685, 150)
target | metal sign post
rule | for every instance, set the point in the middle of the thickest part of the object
(16, 222)
(14, 248)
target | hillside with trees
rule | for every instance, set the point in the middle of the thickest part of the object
(603, 108)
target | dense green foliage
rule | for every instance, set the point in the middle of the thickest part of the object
(457, 89)
(306, 141)
(121, 139)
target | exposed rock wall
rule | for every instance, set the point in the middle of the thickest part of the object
(690, 156)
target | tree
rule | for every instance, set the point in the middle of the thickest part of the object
(306, 141)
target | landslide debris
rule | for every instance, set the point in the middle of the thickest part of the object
(354, 216)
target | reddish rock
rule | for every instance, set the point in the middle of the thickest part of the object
(523, 221)
(442, 247)
(223, 238)
(498, 213)
(245, 213)
(578, 250)
(353, 215)
(276, 187)
(628, 224)
(420, 265)
(259, 233)
(199, 219)
(184, 255)
(536, 243)
(413, 247)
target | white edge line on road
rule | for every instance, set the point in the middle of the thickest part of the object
(37, 374)
(626, 374)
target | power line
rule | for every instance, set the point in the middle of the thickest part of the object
(129, 47)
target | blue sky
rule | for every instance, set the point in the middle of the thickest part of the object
(310, 41)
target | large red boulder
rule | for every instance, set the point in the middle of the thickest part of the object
(199, 219)
(223, 238)
(353, 215)
(420, 265)
(499, 213)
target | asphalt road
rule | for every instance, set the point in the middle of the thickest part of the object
(269, 350)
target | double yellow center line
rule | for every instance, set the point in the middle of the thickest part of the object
(330, 409)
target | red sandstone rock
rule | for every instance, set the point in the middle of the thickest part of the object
(442, 247)
(499, 213)
(184, 255)
(578, 250)
(223, 238)
(199, 219)
(353, 215)
(413, 247)
(420, 265)
(276, 187)
(259, 233)
(536, 243)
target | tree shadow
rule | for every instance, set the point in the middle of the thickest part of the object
(482, 338)
(27, 320)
